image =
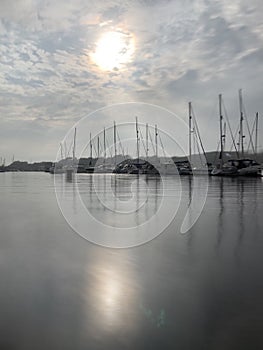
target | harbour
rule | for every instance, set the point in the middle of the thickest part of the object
(131, 175)
(107, 154)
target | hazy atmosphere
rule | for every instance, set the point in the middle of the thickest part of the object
(58, 64)
(131, 175)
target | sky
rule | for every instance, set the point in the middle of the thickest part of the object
(60, 61)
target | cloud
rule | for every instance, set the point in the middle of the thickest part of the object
(183, 50)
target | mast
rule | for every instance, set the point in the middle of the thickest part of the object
(90, 145)
(115, 140)
(147, 141)
(156, 142)
(74, 144)
(61, 152)
(224, 135)
(221, 131)
(137, 139)
(241, 135)
(98, 148)
(190, 131)
(104, 145)
(256, 136)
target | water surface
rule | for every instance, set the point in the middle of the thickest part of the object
(200, 290)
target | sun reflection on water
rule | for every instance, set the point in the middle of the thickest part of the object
(114, 295)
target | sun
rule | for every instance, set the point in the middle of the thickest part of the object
(113, 50)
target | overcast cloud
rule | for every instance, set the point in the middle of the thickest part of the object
(184, 50)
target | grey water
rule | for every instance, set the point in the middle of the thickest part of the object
(199, 290)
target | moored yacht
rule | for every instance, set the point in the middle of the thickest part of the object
(247, 167)
(238, 167)
(241, 166)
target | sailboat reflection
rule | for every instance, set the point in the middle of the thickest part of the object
(220, 226)
(240, 188)
(122, 201)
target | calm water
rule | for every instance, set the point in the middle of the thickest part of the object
(200, 290)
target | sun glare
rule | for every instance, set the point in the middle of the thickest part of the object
(113, 50)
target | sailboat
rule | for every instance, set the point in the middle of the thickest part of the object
(71, 163)
(57, 168)
(202, 167)
(137, 166)
(103, 166)
(235, 167)
(141, 164)
(165, 166)
(245, 166)
(222, 169)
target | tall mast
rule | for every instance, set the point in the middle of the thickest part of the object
(74, 144)
(156, 142)
(104, 145)
(147, 141)
(137, 138)
(256, 136)
(241, 136)
(98, 147)
(90, 145)
(61, 152)
(115, 142)
(190, 131)
(221, 131)
(224, 135)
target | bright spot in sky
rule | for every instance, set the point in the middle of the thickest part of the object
(113, 50)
